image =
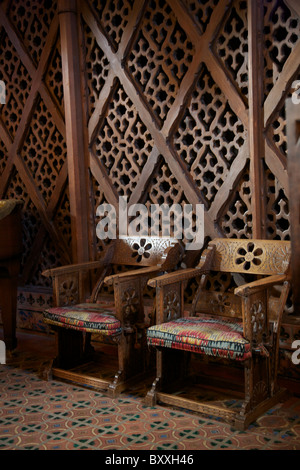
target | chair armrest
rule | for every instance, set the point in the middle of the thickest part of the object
(79, 267)
(261, 284)
(72, 283)
(151, 270)
(74, 268)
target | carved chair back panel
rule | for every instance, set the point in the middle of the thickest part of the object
(240, 259)
(261, 257)
(226, 304)
(143, 251)
(218, 303)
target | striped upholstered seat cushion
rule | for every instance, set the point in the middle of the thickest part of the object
(93, 318)
(204, 335)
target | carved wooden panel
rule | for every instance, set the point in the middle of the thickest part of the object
(32, 130)
(260, 257)
(144, 251)
(165, 91)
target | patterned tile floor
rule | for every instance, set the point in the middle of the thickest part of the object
(36, 415)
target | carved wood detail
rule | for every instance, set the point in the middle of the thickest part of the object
(250, 307)
(167, 112)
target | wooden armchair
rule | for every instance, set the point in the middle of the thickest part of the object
(234, 321)
(118, 322)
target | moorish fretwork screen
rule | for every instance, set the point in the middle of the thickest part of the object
(162, 101)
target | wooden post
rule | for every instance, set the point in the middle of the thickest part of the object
(75, 131)
(256, 117)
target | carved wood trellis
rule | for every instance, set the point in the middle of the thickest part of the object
(159, 103)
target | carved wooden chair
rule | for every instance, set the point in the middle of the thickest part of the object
(234, 321)
(119, 321)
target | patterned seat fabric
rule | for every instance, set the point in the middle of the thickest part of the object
(203, 335)
(93, 318)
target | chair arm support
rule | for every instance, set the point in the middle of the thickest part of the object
(261, 284)
(173, 255)
(172, 278)
(187, 273)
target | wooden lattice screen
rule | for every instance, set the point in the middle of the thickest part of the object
(162, 101)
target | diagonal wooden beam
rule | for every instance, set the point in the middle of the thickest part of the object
(277, 95)
(277, 165)
(5, 137)
(294, 5)
(221, 78)
(100, 175)
(131, 29)
(148, 170)
(233, 177)
(275, 160)
(18, 45)
(101, 105)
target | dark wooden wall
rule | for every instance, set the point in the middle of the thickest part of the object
(162, 101)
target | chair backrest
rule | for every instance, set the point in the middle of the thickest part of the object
(240, 257)
(147, 251)
(261, 257)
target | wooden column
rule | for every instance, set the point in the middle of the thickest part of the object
(256, 116)
(75, 129)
